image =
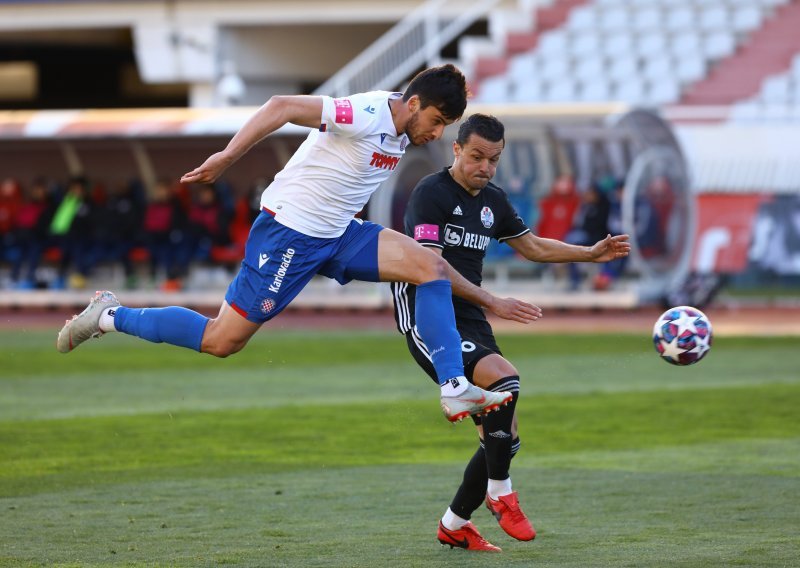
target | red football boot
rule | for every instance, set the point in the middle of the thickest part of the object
(511, 518)
(466, 537)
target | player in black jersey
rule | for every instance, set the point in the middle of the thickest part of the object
(456, 212)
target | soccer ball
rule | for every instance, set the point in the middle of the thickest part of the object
(682, 335)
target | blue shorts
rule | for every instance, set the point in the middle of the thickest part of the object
(279, 262)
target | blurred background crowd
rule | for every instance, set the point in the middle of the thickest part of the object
(73, 227)
(676, 121)
(55, 234)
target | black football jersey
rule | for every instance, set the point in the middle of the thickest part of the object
(440, 213)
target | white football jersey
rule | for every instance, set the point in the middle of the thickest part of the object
(335, 170)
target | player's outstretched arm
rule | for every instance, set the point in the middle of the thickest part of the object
(302, 110)
(611, 248)
(539, 249)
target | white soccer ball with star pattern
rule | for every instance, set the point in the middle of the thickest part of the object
(682, 335)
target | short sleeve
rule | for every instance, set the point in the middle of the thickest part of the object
(511, 224)
(426, 214)
(346, 116)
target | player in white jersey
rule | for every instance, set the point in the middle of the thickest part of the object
(330, 178)
(307, 227)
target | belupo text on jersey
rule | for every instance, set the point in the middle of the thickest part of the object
(286, 260)
(456, 236)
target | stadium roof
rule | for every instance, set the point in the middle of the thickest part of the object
(126, 123)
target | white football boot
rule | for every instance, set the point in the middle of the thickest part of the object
(474, 400)
(86, 324)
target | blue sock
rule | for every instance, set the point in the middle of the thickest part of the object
(174, 325)
(436, 324)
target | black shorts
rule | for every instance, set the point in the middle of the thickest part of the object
(477, 341)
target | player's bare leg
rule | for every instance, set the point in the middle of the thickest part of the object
(228, 333)
(401, 259)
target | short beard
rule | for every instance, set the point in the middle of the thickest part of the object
(412, 122)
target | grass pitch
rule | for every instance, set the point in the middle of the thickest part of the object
(312, 449)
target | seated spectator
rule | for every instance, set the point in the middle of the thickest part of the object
(164, 235)
(31, 234)
(558, 209)
(10, 200)
(590, 225)
(119, 226)
(654, 209)
(73, 228)
(207, 223)
(613, 189)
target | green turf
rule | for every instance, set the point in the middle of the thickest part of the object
(313, 449)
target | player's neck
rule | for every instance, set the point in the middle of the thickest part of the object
(400, 114)
(453, 174)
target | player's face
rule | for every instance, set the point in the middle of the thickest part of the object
(426, 125)
(476, 161)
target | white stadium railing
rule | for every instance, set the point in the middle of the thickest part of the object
(415, 41)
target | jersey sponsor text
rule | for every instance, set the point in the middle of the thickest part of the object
(473, 241)
(383, 161)
(458, 236)
(286, 260)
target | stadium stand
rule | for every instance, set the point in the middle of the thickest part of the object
(769, 50)
(652, 53)
(615, 55)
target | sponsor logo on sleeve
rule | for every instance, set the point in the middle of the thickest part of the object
(344, 111)
(426, 233)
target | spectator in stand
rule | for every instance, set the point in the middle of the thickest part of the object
(654, 209)
(558, 209)
(164, 234)
(254, 197)
(590, 226)
(73, 226)
(207, 223)
(31, 234)
(613, 188)
(244, 213)
(10, 200)
(119, 226)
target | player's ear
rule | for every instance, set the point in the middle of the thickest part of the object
(413, 103)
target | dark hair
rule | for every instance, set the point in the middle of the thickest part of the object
(80, 180)
(444, 87)
(484, 125)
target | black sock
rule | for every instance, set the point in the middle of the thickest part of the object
(472, 490)
(497, 434)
